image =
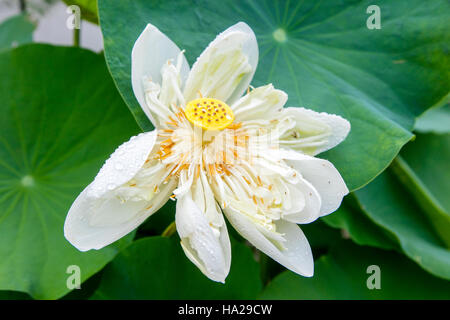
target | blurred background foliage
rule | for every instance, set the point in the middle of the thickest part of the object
(65, 109)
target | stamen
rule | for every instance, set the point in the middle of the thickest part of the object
(212, 170)
(197, 172)
(259, 181)
(225, 169)
(167, 142)
(235, 126)
(173, 120)
(171, 123)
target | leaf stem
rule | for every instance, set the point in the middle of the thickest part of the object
(76, 37)
(170, 230)
(22, 5)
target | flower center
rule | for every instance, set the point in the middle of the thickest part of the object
(209, 114)
(279, 35)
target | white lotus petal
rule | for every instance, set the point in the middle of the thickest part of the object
(322, 174)
(312, 203)
(150, 52)
(314, 132)
(93, 223)
(204, 242)
(226, 67)
(123, 164)
(261, 103)
(296, 254)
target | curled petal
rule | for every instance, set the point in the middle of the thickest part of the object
(93, 223)
(313, 132)
(112, 206)
(226, 67)
(288, 246)
(261, 103)
(322, 175)
(203, 233)
(150, 52)
(305, 193)
(123, 164)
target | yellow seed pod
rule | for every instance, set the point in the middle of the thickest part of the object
(209, 114)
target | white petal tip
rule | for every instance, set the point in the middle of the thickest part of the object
(217, 278)
(306, 270)
(308, 274)
(74, 243)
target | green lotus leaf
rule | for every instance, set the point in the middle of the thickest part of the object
(359, 227)
(61, 119)
(156, 268)
(349, 271)
(389, 205)
(16, 31)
